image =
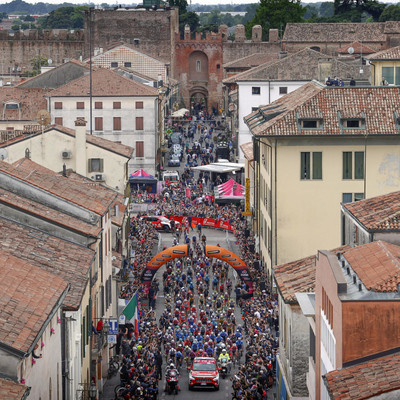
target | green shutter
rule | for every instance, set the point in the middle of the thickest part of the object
(359, 165)
(347, 165)
(317, 165)
(305, 165)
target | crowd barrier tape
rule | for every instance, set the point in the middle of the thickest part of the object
(206, 222)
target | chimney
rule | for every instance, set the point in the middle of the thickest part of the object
(64, 170)
(80, 146)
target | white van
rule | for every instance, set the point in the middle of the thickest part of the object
(170, 176)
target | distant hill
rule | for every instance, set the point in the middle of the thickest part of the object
(21, 7)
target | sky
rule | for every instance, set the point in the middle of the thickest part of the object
(114, 2)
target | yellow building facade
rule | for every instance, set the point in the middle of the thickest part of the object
(302, 174)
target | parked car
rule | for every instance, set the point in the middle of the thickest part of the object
(159, 222)
(203, 373)
(174, 160)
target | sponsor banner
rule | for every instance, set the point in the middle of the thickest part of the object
(207, 222)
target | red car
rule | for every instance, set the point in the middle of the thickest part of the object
(203, 373)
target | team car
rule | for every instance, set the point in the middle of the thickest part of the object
(204, 373)
(159, 222)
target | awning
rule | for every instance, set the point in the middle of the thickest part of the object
(220, 167)
(180, 113)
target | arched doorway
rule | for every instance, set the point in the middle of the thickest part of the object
(198, 99)
(211, 251)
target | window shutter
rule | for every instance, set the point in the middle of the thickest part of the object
(101, 165)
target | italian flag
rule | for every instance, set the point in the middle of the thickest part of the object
(131, 312)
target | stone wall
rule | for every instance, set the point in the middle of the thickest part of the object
(19, 49)
(151, 32)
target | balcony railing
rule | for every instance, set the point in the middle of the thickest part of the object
(10, 134)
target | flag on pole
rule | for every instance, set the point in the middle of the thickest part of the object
(131, 312)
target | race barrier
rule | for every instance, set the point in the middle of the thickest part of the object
(211, 251)
(206, 222)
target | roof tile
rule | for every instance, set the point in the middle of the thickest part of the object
(10, 390)
(366, 380)
(65, 259)
(30, 292)
(105, 83)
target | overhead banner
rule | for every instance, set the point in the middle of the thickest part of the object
(207, 222)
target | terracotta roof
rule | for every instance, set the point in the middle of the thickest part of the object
(300, 66)
(105, 83)
(253, 60)
(388, 54)
(10, 390)
(380, 213)
(247, 149)
(358, 48)
(43, 212)
(375, 105)
(28, 296)
(67, 260)
(118, 201)
(377, 264)
(106, 144)
(366, 380)
(298, 276)
(339, 32)
(30, 100)
(84, 193)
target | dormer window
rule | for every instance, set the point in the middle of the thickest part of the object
(311, 123)
(353, 123)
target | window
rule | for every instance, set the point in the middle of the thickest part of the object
(353, 123)
(254, 109)
(198, 66)
(348, 197)
(58, 105)
(98, 105)
(139, 123)
(12, 106)
(311, 123)
(255, 90)
(283, 90)
(80, 105)
(116, 105)
(317, 165)
(311, 163)
(95, 165)
(305, 165)
(218, 67)
(140, 149)
(358, 165)
(388, 74)
(117, 123)
(58, 120)
(98, 124)
(114, 64)
(347, 165)
(139, 105)
(127, 64)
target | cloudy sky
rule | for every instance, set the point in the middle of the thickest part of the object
(113, 2)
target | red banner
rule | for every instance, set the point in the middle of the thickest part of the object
(208, 222)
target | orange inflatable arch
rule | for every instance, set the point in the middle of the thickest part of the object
(211, 251)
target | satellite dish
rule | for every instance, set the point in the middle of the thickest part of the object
(3, 154)
(43, 117)
(350, 50)
(49, 61)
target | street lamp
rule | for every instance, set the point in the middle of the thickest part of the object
(106, 327)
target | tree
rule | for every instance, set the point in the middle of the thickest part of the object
(65, 18)
(275, 14)
(37, 62)
(372, 7)
(181, 4)
(390, 13)
(190, 18)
